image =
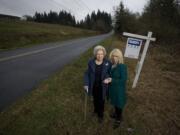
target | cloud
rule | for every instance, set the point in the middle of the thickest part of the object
(79, 8)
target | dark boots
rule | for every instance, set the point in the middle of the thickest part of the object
(117, 115)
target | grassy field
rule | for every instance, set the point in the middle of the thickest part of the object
(55, 107)
(16, 34)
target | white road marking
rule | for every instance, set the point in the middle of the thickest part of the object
(28, 53)
(37, 51)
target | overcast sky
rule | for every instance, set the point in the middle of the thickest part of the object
(79, 8)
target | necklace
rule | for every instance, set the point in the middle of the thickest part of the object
(98, 62)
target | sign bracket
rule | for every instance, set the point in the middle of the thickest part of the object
(148, 38)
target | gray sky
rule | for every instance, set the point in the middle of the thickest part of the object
(79, 8)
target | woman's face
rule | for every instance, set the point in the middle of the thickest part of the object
(100, 55)
(114, 59)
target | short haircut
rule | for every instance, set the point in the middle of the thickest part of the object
(118, 53)
(97, 48)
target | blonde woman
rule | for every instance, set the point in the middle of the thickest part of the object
(117, 88)
(95, 79)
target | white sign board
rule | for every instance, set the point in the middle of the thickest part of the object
(129, 52)
(133, 48)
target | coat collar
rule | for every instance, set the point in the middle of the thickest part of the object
(105, 64)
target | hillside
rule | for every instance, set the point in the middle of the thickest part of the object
(16, 34)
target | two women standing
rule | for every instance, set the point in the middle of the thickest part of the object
(103, 78)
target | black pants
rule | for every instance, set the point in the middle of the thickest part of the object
(118, 113)
(98, 101)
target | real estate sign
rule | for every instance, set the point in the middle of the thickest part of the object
(133, 47)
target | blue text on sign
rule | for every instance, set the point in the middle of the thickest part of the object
(134, 42)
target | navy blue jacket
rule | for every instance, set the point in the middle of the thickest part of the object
(89, 76)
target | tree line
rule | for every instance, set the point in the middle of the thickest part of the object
(162, 17)
(100, 21)
(97, 21)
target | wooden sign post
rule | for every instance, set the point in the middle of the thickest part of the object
(148, 38)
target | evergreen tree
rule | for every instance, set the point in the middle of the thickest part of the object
(163, 18)
(100, 21)
(125, 20)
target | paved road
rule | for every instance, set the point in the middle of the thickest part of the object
(22, 69)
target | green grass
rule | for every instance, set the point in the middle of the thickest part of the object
(56, 105)
(16, 34)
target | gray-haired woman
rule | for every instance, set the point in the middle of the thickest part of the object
(95, 79)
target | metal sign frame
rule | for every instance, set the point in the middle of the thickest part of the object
(148, 38)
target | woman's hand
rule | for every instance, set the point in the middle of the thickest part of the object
(107, 80)
(86, 88)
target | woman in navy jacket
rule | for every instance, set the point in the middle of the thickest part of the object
(95, 79)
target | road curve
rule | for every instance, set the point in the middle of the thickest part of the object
(22, 69)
